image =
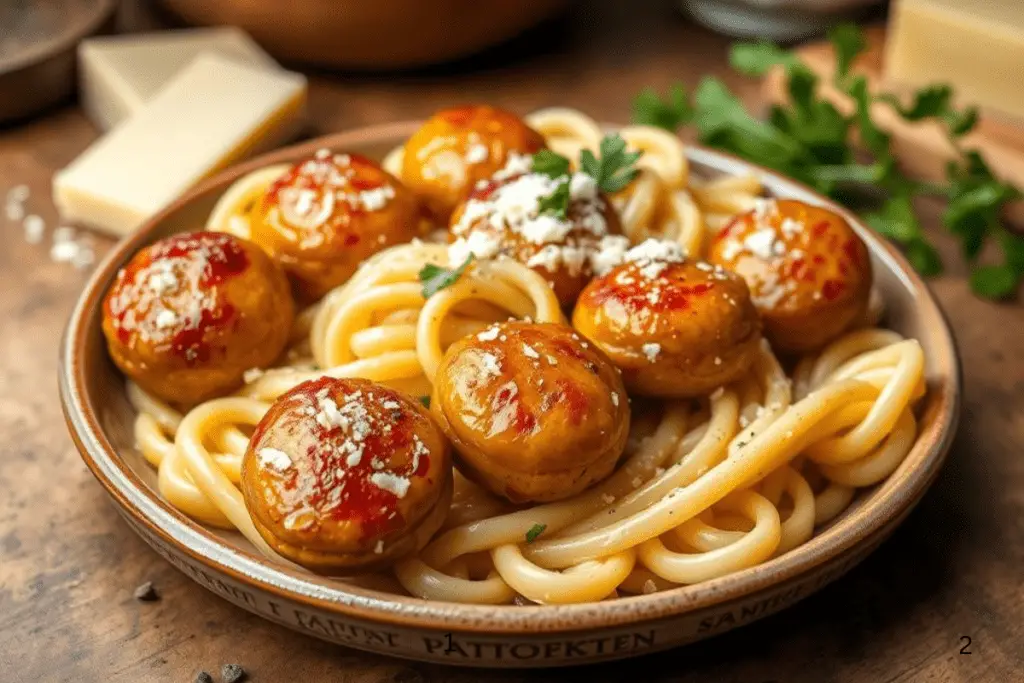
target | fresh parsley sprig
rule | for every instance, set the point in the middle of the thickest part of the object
(534, 532)
(434, 278)
(810, 139)
(612, 171)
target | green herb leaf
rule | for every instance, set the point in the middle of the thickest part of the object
(550, 164)
(994, 282)
(923, 257)
(669, 113)
(425, 400)
(895, 219)
(435, 278)
(870, 134)
(1013, 250)
(557, 203)
(960, 123)
(848, 42)
(535, 531)
(615, 169)
(928, 102)
(756, 59)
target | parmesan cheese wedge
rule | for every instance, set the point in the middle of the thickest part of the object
(213, 113)
(117, 75)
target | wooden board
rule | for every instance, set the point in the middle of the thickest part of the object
(69, 563)
(922, 148)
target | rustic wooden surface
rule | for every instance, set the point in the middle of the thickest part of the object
(68, 565)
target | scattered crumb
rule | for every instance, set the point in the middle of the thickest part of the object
(232, 673)
(203, 677)
(146, 593)
(649, 587)
(34, 226)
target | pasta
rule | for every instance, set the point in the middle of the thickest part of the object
(706, 485)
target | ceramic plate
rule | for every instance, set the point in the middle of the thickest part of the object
(100, 419)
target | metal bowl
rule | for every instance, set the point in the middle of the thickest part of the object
(778, 20)
(381, 34)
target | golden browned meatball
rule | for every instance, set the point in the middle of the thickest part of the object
(456, 148)
(505, 217)
(328, 214)
(187, 316)
(346, 475)
(674, 327)
(808, 271)
(535, 414)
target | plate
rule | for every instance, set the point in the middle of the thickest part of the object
(100, 420)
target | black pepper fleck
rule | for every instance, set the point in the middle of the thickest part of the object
(232, 673)
(146, 592)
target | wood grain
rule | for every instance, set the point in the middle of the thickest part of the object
(69, 565)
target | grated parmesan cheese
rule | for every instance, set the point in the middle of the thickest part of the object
(651, 350)
(274, 459)
(391, 483)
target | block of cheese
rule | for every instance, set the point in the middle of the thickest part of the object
(214, 112)
(976, 46)
(117, 75)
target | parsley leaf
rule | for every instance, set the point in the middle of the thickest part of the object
(557, 203)
(535, 531)
(756, 59)
(809, 139)
(549, 163)
(615, 169)
(670, 113)
(425, 400)
(994, 282)
(847, 42)
(435, 278)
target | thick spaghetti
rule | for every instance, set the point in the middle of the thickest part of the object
(705, 487)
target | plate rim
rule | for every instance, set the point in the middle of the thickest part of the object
(191, 538)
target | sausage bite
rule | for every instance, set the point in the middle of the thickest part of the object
(457, 148)
(328, 214)
(508, 216)
(808, 271)
(346, 475)
(188, 315)
(534, 413)
(675, 328)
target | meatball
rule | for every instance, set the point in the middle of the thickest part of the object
(346, 475)
(329, 213)
(808, 271)
(188, 315)
(457, 148)
(507, 216)
(676, 328)
(534, 413)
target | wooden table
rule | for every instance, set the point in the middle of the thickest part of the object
(68, 565)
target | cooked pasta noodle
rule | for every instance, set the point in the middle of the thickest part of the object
(705, 487)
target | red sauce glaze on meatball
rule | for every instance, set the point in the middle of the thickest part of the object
(188, 315)
(328, 214)
(675, 328)
(456, 148)
(808, 271)
(342, 475)
(534, 413)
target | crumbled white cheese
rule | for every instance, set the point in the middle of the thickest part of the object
(162, 281)
(790, 227)
(34, 226)
(530, 352)
(483, 244)
(166, 318)
(490, 334)
(391, 483)
(274, 459)
(610, 252)
(651, 350)
(760, 243)
(491, 365)
(476, 154)
(615, 398)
